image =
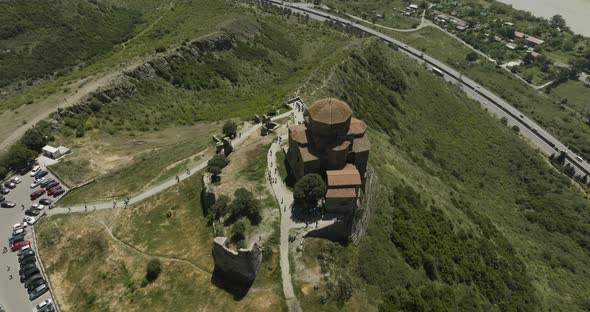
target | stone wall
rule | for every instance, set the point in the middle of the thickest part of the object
(241, 265)
(208, 197)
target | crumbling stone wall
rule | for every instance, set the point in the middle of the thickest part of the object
(241, 265)
(208, 197)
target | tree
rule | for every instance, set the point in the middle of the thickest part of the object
(153, 270)
(246, 205)
(516, 129)
(215, 171)
(3, 172)
(219, 208)
(34, 139)
(19, 156)
(230, 129)
(471, 57)
(310, 189)
(558, 21)
(239, 230)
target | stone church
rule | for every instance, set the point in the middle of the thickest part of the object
(334, 144)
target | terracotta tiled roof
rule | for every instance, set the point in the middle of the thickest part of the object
(330, 111)
(357, 127)
(341, 193)
(344, 146)
(361, 144)
(534, 40)
(348, 176)
(298, 134)
(306, 155)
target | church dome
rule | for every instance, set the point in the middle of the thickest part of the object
(330, 111)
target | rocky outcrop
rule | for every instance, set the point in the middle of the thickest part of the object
(241, 265)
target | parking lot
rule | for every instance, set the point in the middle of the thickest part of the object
(13, 294)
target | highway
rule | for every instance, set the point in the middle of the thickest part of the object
(544, 141)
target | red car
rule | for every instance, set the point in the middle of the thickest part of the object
(18, 245)
(53, 189)
(36, 194)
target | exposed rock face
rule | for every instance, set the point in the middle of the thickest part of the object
(241, 265)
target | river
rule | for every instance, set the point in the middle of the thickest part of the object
(575, 12)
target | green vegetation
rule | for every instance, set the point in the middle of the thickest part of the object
(467, 216)
(154, 267)
(309, 190)
(230, 128)
(388, 13)
(42, 37)
(566, 125)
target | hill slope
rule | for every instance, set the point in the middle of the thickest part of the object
(468, 217)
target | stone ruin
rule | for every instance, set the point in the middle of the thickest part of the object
(223, 146)
(240, 265)
(268, 126)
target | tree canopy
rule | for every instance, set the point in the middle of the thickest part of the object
(34, 139)
(245, 205)
(310, 189)
(230, 128)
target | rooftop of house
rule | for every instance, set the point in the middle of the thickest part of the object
(298, 133)
(357, 127)
(306, 155)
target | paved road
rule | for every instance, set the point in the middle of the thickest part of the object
(13, 295)
(540, 138)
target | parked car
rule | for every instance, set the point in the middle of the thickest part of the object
(53, 189)
(37, 292)
(46, 202)
(16, 238)
(18, 245)
(21, 225)
(15, 180)
(9, 184)
(28, 273)
(4, 190)
(32, 212)
(25, 257)
(26, 267)
(47, 182)
(23, 250)
(2, 198)
(18, 231)
(27, 261)
(37, 206)
(58, 192)
(44, 305)
(38, 193)
(35, 284)
(8, 204)
(40, 174)
(35, 170)
(30, 220)
(48, 186)
(32, 278)
(26, 253)
(35, 183)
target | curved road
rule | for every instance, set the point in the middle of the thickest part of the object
(544, 141)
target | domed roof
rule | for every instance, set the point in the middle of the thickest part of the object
(330, 111)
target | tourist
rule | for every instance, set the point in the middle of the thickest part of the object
(10, 277)
(177, 179)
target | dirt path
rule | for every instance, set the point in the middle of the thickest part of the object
(172, 259)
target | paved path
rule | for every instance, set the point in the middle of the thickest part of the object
(161, 187)
(285, 199)
(537, 136)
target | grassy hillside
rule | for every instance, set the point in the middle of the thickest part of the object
(468, 217)
(97, 261)
(269, 60)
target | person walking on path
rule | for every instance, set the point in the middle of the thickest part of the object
(114, 203)
(7, 268)
(69, 209)
(10, 277)
(177, 179)
(22, 207)
(94, 208)
(188, 171)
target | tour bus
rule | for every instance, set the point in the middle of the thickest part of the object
(437, 71)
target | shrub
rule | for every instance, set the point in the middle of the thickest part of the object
(230, 128)
(34, 139)
(153, 270)
(239, 230)
(245, 205)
